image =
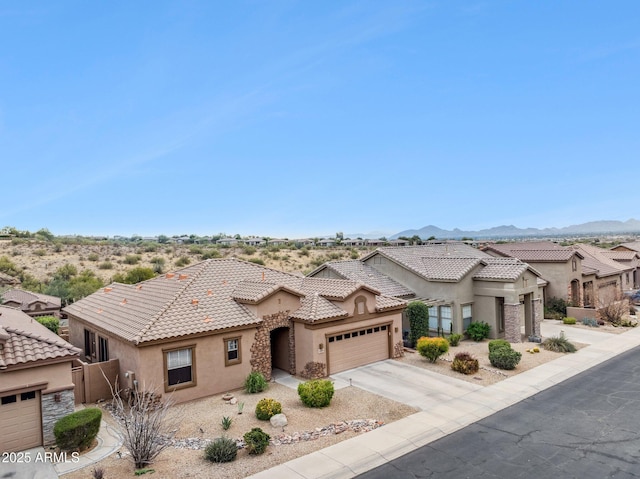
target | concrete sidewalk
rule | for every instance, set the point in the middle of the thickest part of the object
(463, 407)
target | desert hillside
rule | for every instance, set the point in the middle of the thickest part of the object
(108, 258)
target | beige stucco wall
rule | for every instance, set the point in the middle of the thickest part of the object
(57, 376)
(559, 276)
(211, 373)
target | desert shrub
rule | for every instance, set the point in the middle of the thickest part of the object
(465, 363)
(498, 343)
(221, 449)
(432, 348)
(418, 314)
(132, 259)
(256, 261)
(256, 440)
(478, 330)
(195, 249)
(255, 383)
(454, 339)
(105, 265)
(76, 431)
(316, 393)
(266, 408)
(559, 344)
(248, 250)
(556, 308)
(211, 253)
(504, 358)
(182, 261)
(569, 320)
(50, 322)
(226, 422)
(39, 252)
(93, 257)
(590, 322)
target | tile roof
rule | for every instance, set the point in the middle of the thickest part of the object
(23, 340)
(453, 261)
(634, 245)
(533, 251)
(26, 298)
(596, 258)
(358, 271)
(205, 297)
(621, 255)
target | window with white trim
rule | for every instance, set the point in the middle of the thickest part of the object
(233, 351)
(467, 316)
(179, 366)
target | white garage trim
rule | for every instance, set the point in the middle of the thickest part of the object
(356, 347)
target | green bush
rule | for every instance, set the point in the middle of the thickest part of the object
(316, 393)
(93, 257)
(256, 261)
(432, 348)
(454, 339)
(255, 383)
(559, 344)
(504, 358)
(465, 363)
(267, 408)
(182, 261)
(222, 449)
(590, 322)
(105, 265)
(76, 431)
(478, 331)
(50, 322)
(498, 343)
(556, 308)
(256, 440)
(569, 320)
(132, 259)
(418, 314)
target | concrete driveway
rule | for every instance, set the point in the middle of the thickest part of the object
(407, 384)
(29, 464)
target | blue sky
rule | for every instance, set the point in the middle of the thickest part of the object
(293, 119)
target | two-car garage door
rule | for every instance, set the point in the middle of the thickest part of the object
(20, 421)
(355, 348)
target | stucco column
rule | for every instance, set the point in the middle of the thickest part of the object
(536, 309)
(512, 323)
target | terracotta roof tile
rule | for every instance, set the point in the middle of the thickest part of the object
(26, 298)
(534, 251)
(358, 271)
(508, 269)
(202, 298)
(23, 340)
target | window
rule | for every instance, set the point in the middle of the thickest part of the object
(574, 265)
(89, 345)
(179, 367)
(103, 350)
(361, 305)
(8, 399)
(467, 316)
(440, 318)
(232, 351)
(27, 396)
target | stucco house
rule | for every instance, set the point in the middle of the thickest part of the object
(36, 387)
(560, 265)
(33, 304)
(459, 283)
(203, 329)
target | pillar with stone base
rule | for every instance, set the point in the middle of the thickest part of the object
(512, 314)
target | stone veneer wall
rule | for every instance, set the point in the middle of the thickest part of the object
(261, 347)
(398, 350)
(512, 323)
(537, 311)
(52, 411)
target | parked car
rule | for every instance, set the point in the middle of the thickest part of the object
(634, 296)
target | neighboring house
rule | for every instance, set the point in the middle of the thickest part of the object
(630, 259)
(227, 241)
(611, 277)
(327, 242)
(34, 304)
(203, 329)
(398, 242)
(353, 242)
(254, 242)
(559, 265)
(459, 284)
(278, 242)
(36, 388)
(6, 280)
(304, 242)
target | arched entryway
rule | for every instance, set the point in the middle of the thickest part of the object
(575, 293)
(280, 353)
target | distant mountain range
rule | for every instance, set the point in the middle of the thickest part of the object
(510, 231)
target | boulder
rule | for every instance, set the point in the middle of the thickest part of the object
(279, 420)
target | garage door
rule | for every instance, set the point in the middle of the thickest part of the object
(355, 348)
(20, 421)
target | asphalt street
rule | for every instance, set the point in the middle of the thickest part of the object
(586, 427)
